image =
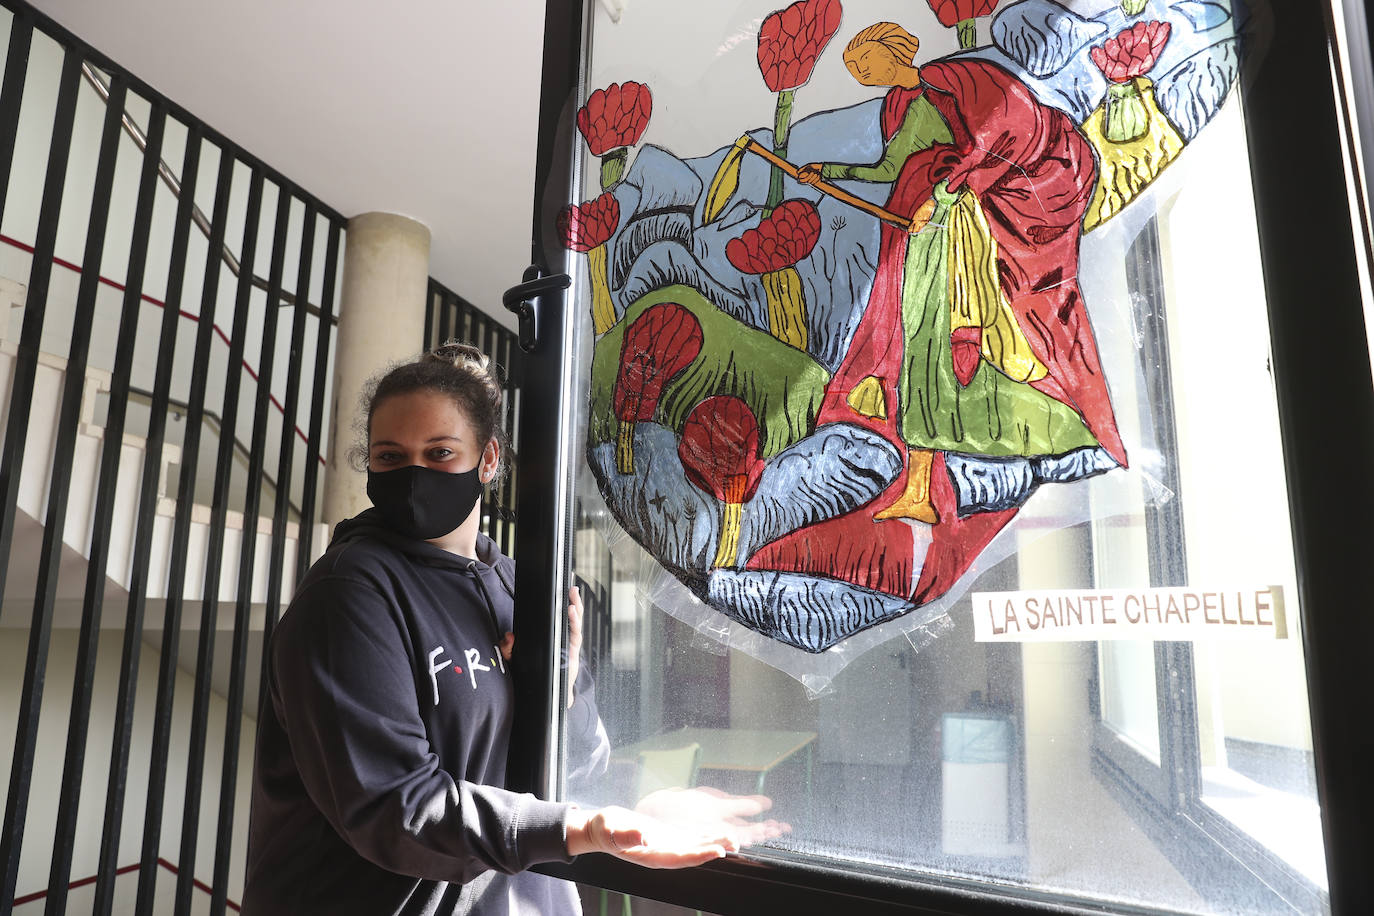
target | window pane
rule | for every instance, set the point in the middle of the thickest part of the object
(1129, 703)
(916, 491)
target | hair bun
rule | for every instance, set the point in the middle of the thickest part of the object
(461, 356)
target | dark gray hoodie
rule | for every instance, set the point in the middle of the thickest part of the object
(381, 756)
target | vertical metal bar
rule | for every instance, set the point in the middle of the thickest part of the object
(26, 362)
(431, 292)
(243, 596)
(152, 468)
(312, 448)
(266, 368)
(489, 348)
(262, 411)
(21, 396)
(499, 492)
(224, 463)
(488, 343)
(498, 372)
(64, 836)
(508, 420)
(12, 94)
(161, 390)
(488, 517)
(515, 397)
(288, 442)
(446, 328)
(1180, 761)
(512, 423)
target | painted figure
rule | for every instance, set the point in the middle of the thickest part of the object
(997, 355)
(975, 343)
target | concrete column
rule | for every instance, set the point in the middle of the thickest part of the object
(381, 321)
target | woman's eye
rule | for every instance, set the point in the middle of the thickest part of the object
(441, 454)
(385, 457)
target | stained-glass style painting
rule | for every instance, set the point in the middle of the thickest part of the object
(834, 358)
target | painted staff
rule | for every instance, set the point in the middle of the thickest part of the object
(726, 182)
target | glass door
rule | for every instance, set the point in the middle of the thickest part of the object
(917, 435)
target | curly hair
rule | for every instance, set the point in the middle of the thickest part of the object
(457, 370)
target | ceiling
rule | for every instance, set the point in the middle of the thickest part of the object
(426, 108)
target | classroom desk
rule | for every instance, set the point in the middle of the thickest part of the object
(751, 750)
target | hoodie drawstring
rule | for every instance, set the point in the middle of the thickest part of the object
(471, 568)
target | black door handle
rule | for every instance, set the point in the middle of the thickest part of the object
(521, 300)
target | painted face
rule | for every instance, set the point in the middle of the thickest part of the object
(426, 428)
(875, 65)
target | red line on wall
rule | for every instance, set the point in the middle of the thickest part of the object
(82, 882)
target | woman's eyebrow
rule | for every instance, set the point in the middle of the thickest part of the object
(427, 442)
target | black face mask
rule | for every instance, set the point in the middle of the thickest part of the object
(421, 502)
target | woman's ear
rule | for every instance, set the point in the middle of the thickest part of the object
(491, 461)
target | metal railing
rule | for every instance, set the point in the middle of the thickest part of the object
(296, 213)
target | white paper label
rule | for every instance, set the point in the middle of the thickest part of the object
(1178, 614)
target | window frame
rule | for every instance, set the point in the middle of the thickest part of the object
(1165, 798)
(1304, 260)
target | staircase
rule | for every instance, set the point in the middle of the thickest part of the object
(34, 485)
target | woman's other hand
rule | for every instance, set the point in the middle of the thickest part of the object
(574, 639)
(507, 644)
(709, 809)
(810, 173)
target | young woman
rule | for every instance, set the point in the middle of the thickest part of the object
(379, 784)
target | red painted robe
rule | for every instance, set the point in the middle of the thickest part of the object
(1034, 176)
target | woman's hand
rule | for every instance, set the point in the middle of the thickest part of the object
(710, 810)
(644, 840)
(810, 173)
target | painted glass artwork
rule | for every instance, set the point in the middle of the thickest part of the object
(834, 359)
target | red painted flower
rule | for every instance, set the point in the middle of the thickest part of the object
(1131, 52)
(615, 116)
(952, 12)
(720, 449)
(791, 39)
(659, 344)
(782, 239)
(589, 225)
